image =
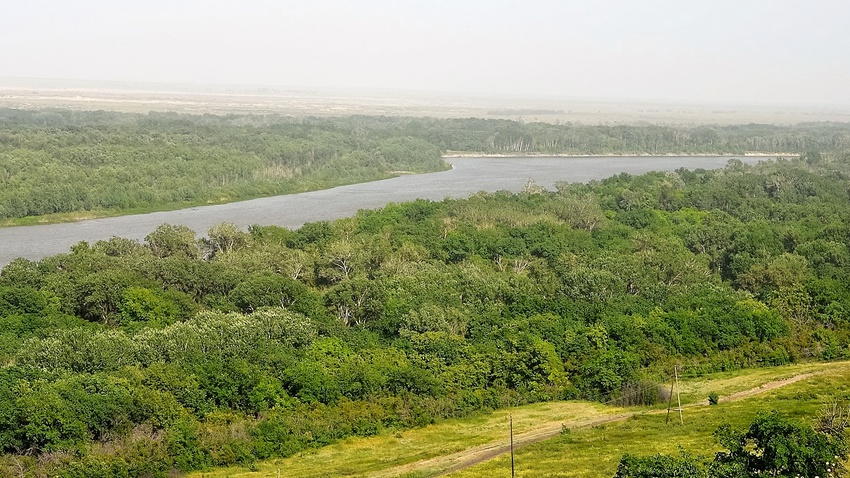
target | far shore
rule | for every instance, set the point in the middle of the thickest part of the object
(452, 154)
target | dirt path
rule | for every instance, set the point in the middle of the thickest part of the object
(766, 387)
(472, 456)
(475, 455)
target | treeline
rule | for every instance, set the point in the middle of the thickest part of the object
(57, 161)
(510, 137)
(136, 359)
(64, 162)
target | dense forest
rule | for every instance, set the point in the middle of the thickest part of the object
(65, 162)
(123, 358)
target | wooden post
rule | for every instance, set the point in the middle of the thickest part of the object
(670, 402)
(678, 395)
(675, 385)
(512, 446)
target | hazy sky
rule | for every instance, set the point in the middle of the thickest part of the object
(760, 51)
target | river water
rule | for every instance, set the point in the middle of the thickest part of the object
(467, 176)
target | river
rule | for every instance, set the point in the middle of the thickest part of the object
(468, 175)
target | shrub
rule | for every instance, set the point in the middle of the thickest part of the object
(643, 392)
(659, 466)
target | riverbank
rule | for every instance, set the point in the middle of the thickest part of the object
(77, 216)
(468, 176)
(460, 154)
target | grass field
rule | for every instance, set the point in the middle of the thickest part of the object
(595, 452)
(584, 451)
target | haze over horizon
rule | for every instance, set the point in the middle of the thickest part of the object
(761, 51)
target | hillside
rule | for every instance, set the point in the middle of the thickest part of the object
(176, 354)
(598, 434)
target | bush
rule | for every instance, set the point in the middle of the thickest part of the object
(775, 446)
(639, 393)
(659, 466)
(770, 446)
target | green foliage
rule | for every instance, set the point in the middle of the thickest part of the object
(95, 161)
(67, 412)
(771, 446)
(173, 241)
(225, 238)
(154, 308)
(658, 466)
(184, 446)
(116, 162)
(247, 345)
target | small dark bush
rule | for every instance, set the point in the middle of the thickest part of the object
(639, 393)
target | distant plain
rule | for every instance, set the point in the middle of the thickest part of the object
(223, 99)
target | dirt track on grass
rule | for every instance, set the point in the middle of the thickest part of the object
(766, 387)
(446, 464)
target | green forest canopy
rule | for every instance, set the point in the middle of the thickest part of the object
(63, 162)
(135, 358)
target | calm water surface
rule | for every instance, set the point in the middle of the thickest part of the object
(468, 175)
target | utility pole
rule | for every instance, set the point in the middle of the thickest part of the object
(678, 395)
(512, 447)
(670, 402)
(675, 383)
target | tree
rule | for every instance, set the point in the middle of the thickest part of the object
(776, 446)
(784, 271)
(355, 301)
(102, 294)
(225, 238)
(149, 306)
(579, 211)
(712, 237)
(173, 241)
(277, 290)
(771, 446)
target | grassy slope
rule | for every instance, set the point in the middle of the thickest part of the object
(585, 452)
(595, 452)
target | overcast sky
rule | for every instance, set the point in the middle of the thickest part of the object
(729, 51)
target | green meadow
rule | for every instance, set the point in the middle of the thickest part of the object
(574, 451)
